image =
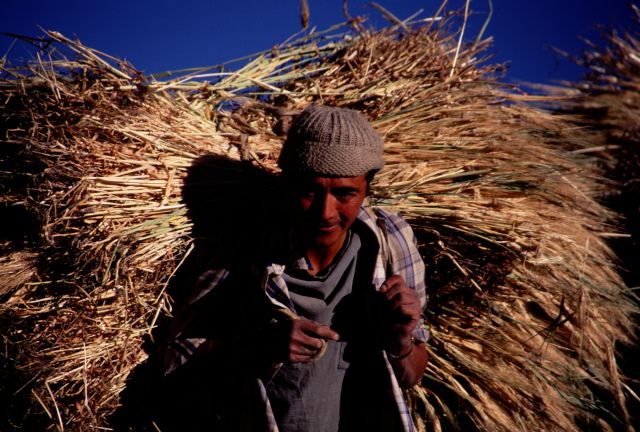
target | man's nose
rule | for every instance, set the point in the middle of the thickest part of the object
(328, 208)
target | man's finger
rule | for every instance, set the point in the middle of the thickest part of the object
(301, 358)
(402, 298)
(308, 347)
(391, 282)
(393, 291)
(310, 343)
(325, 332)
(402, 295)
(306, 332)
(320, 331)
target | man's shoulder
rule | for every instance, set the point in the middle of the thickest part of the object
(398, 248)
(377, 219)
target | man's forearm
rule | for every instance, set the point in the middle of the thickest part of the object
(250, 351)
(410, 368)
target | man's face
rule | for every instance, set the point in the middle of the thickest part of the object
(325, 207)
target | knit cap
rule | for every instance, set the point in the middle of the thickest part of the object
(331, 141)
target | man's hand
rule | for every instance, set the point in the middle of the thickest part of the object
(400, 315)
(301, 340)
(401, 311)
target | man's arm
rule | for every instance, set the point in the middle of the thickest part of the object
(401, 315)
(261, 349)
(409, 369)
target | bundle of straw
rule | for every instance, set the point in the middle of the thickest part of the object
(606, 101)
(525, 307)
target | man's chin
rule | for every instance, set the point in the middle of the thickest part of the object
(326, 239)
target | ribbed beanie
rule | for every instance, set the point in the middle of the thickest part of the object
(331, 141)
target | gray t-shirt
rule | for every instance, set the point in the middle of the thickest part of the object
(306, 396)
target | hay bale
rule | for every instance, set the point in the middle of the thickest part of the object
(526, 303)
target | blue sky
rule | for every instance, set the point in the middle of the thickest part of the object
(169, 34)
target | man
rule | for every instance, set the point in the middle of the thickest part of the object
(325, 330)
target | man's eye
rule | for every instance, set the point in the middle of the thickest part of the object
(344, 194)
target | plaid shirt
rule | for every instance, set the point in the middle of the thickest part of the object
(397, 254)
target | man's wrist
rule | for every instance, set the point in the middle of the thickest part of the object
(403, 350)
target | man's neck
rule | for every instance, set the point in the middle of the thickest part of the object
(321, 257)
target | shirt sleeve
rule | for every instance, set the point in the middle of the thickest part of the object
(405, 260)
(185, 335)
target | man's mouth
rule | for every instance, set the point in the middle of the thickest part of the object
(327, 229)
